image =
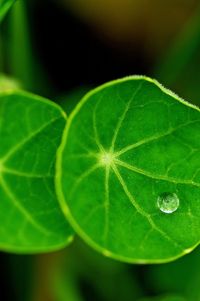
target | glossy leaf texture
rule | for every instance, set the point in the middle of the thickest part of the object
(5, 5)
(126, 144)
(30, 132)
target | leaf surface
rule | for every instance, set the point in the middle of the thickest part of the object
(126, 144)
(30, 132)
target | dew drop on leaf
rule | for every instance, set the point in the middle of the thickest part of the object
(168, 202)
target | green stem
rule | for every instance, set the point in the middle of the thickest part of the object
(20, 50)
(22, 61)
(179, 55)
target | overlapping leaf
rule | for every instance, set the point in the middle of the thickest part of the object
(30, 132)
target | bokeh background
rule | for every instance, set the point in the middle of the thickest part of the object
(62, 48)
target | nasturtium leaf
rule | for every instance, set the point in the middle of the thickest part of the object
(127, 144)
(5, 5)
(30, 132)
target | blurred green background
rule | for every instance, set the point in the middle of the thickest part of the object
(60, 49)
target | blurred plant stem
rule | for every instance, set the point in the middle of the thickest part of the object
(78, 271)
(21, 60)
(20, 51)
(54, 280)
(179, 65)
(5, 6)
(110, 279)
(181, 52)
(65, 284)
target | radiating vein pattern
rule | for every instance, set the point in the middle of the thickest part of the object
(147, 142)
(30, 132)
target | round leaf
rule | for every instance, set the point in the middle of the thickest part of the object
(129, 144)
(30, 132)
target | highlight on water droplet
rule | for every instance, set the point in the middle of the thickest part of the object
(168, 202)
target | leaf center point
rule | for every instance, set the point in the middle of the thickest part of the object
(106, 158)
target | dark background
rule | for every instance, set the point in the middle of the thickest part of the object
(73, 53)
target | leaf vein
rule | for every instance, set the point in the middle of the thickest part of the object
(153, 176)
(21, 208)
(150, 139)
(119, 125)
(12, 151)
(141, 211)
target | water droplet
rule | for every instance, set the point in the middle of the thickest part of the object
(168, 202)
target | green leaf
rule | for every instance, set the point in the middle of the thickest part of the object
(30, 132)
(126, 143)
(5, 5)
